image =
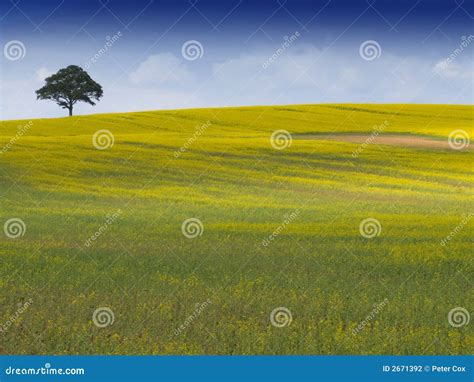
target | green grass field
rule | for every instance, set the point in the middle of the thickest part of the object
(347, 294)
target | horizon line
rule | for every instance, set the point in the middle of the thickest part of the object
(243, 107)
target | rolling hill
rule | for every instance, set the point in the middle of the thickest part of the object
(299, 229)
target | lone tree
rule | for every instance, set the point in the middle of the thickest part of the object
(70, 85)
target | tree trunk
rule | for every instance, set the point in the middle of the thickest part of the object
(70, 111)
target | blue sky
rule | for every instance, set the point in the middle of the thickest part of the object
(248, 52)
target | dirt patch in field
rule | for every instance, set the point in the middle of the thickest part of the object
(391, 140)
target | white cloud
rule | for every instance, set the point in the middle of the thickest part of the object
(42, 73)
(305, 74)
(449, 69)
(164, 68)
(301, 74)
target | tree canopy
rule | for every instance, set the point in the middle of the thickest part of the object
(69, 86)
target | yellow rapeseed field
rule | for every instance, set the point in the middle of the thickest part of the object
(247, 230)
